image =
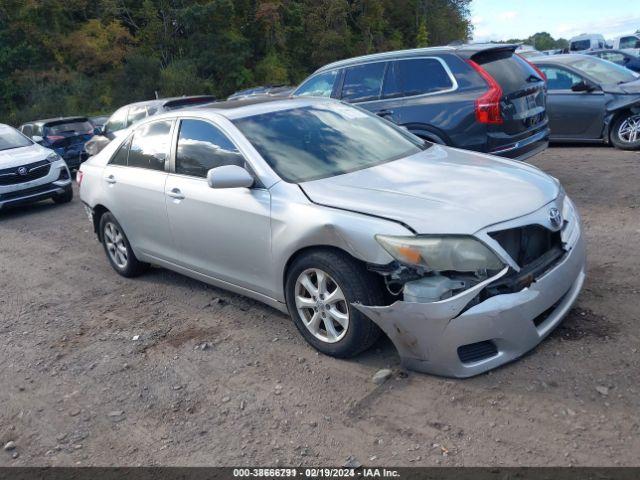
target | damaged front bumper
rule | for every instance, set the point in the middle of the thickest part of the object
(437, 338)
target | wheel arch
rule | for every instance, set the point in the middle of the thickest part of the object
(428, 132)
(98, 211)
(310, 249)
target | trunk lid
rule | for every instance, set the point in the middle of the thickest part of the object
(523, 102)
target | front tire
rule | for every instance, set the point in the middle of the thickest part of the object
(320, 288)
(625, 132)
(65, 197)
(118, 249)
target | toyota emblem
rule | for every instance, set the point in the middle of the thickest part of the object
(555, 217)
(22, 171)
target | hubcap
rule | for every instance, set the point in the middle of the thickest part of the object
(629, 130)
(114, 240)
(321, 305)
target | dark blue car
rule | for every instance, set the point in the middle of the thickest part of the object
(66, 136)
(477, 97)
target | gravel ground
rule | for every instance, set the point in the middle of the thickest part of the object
(216, 379)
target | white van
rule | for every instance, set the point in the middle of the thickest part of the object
(629, 43)
(587, 41)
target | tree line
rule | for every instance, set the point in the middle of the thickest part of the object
(71, 57)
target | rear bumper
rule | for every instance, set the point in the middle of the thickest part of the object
(433, 338)
(526, 148)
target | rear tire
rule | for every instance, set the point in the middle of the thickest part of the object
(625, 132)
(315, 320)
(118, 249)
(65, 197)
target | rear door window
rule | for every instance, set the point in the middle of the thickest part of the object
(422, 75)
(614, 57)
(363, 82)
(510, 71)
(201, 147)
(319, 86)
(150, 145)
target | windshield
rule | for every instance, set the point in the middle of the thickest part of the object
(604, 72)
(308, 143)
(11, 138)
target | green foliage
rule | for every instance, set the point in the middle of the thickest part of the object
(422, 37)
(542, 41)
(68, 57)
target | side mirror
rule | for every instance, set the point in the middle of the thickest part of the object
(582, 86)
(37, 139)
(229, 176)
(97, 131)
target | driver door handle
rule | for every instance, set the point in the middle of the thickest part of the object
(176, 193)
(110, 179)
(384, 113)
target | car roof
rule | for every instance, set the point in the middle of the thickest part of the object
(562, 59)
(164, 101)
(586, 36)
(57, 120)
(466, 50)
(246, 107)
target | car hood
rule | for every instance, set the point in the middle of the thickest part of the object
(15, 157)
(440, 190)
(629, 87)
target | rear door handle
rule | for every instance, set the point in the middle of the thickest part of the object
(110, 179)
(384, 113)
(176, 193)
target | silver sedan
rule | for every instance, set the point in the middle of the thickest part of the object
(350, 224)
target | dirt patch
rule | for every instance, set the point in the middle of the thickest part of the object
(581, 324)
(77, 389)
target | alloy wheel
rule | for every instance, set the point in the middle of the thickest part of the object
(629, 130)
(117, 249)
(322, 305)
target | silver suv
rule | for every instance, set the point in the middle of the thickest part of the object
(30, 172)
(348, 222)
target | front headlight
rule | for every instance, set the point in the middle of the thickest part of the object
(441, 253)
(53, 157)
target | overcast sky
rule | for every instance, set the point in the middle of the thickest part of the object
(501, 20)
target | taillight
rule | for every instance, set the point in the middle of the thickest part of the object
(54, 138)
(488, 104)
(79, 176)
(532, 65)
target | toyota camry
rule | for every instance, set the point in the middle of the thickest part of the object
(349, 223)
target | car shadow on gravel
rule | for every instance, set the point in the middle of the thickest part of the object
(18, 211)
(381, 354)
